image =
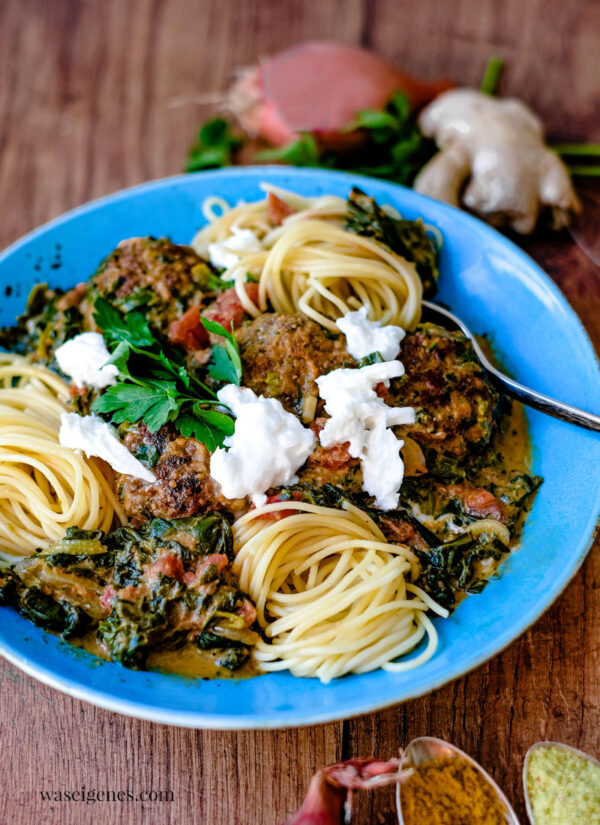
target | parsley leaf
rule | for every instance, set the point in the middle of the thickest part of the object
(216, 284)
(302, 151)
(214, 146)
(154, 384)
(192, 427)
(207, 426)
(225, 363)
(120, 357)
(153, 402)
(221, 421)
(222, 368)
(132, 328)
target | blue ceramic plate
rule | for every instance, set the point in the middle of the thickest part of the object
(489, 282)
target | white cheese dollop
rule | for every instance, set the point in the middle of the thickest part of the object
(222, 254)
(95, 437)
(364, 337)
(361, 417)
(267, 447)
(84, 358)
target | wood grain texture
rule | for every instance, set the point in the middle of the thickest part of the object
(95, 96)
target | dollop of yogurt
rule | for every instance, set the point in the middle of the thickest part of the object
(364, 337)
(97, 438)
(267, 448)
(84, 359)
(359, 416)
(223, 255)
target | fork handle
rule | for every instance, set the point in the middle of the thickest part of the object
(537, 400)
(550, 406)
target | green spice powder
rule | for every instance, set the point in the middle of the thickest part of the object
(563, 788)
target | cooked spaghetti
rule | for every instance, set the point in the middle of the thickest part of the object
(332, 595)
(44, 487)
(395, 479)
(312, 264)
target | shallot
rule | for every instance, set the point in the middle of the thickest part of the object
(329, 797)
(319, 87)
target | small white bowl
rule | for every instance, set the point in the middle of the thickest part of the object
(425, 748)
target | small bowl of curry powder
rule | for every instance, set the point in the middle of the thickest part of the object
(447, 787)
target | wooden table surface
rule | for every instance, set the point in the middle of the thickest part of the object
(96, 96)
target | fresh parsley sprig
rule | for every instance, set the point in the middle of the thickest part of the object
(225, 363)
(154, 384)
(215, 146)
(395, 147)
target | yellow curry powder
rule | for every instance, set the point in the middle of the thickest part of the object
(450, 791)
(563, 787)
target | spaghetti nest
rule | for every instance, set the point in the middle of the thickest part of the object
(44, 487)
(332, 595)
(312, 264)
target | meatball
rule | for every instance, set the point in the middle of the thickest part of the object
(156, 275)
(183, 485)
(455, 403)
(282, 355)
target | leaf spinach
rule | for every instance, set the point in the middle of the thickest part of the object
(406, 238)
(450, 568)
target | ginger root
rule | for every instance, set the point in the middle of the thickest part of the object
(494, 161)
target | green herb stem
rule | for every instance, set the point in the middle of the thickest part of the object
(577, 149)
(491, 76)
(585, 171)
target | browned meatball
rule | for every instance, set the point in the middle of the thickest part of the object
(444, 382)
(282, 355)
(162, 278)
(183, 484)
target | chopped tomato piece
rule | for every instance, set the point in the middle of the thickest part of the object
(73, 390)
(219, 559)
(169, 565)
(227, 309)
(279, 514)
(128, 593)
(107, 597)
(401, 531)
(483, 504)
(479, 502)
(73, 297)
(188, 331)
(332, 458)
(248, 613)
(318, 425)
(277, 209)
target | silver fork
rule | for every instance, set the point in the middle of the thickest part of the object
(558, 409)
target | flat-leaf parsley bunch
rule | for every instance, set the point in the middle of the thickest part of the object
(154, 385)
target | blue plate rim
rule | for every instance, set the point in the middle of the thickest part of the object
(216, 721)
